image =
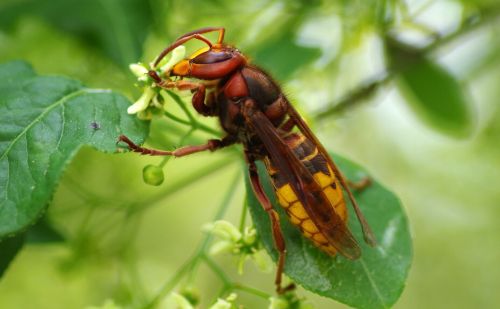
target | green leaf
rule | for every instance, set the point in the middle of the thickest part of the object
(283, 56)
(118, 27)
(9, 248)
(44, 120)
(42, 233)
(377, 279)
(432, 92)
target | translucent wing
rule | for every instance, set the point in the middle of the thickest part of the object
(307, 189)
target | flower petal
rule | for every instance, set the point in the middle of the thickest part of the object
(223, 246)
(143, 101)
(180, 301)
(224, 230)
(138, 69)
(262, 260)
(177, 55)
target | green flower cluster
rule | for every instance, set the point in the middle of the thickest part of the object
(151, 101)
(244, 245)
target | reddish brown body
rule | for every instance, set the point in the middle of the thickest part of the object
(253, 111)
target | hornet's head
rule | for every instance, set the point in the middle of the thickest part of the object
(209, 62)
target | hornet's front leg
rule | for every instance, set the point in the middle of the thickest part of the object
(211, 145)
(202, 104)
(360, 185)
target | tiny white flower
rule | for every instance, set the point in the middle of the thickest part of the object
(179, 301)
(278, 303)
(242, 245)
(262, 260)
(224, 230)
(221, 247)
(241, 262)
(288, 300)
(177, 55)
(225, 303)
(138, 69)
(143, 102)
(221, 304)
(249, 235)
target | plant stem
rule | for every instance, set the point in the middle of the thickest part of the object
(355, 97)
(367, 89)
(191, 264)
(182, 182)
(164, 161)
(176, 119)
(181, 104)
(171, 284)
(202, 249)
(259, 293)
(196, 125)
(243, 217)
(216, 270)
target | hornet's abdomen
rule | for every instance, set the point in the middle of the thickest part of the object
(317, 165)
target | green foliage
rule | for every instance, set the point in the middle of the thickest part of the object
(44, 121)
(271, 55)
(9, 247)
(103, 215)
(43, 233)
(118, 27)
(432, 92)
(377, 279)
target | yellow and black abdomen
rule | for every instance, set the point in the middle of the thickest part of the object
(307, 152)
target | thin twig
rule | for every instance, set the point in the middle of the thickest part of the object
(251, 290)
(182, 182)
(198, 125)
(369, 88)
(358, 95)
(181, 104)
(243, 217)
(171, 284)
(217, 270)
(198, 254)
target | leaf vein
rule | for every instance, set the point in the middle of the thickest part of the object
(373, 284)
(37, 119)
(63, 124)
(28, 152)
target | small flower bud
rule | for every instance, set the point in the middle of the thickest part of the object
(289, 300)
(262, 260)
(224, 230)
(192, 294)
(278, 303)
(221, 247)
(241, 262)
(153, 175)
(225, 303)
(250, 235)
(179, 301)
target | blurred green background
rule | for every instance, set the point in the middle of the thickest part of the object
(408, 89)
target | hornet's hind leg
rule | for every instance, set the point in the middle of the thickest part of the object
(359, 185)
(279, 241)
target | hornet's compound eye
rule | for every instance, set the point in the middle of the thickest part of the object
(212, 56)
